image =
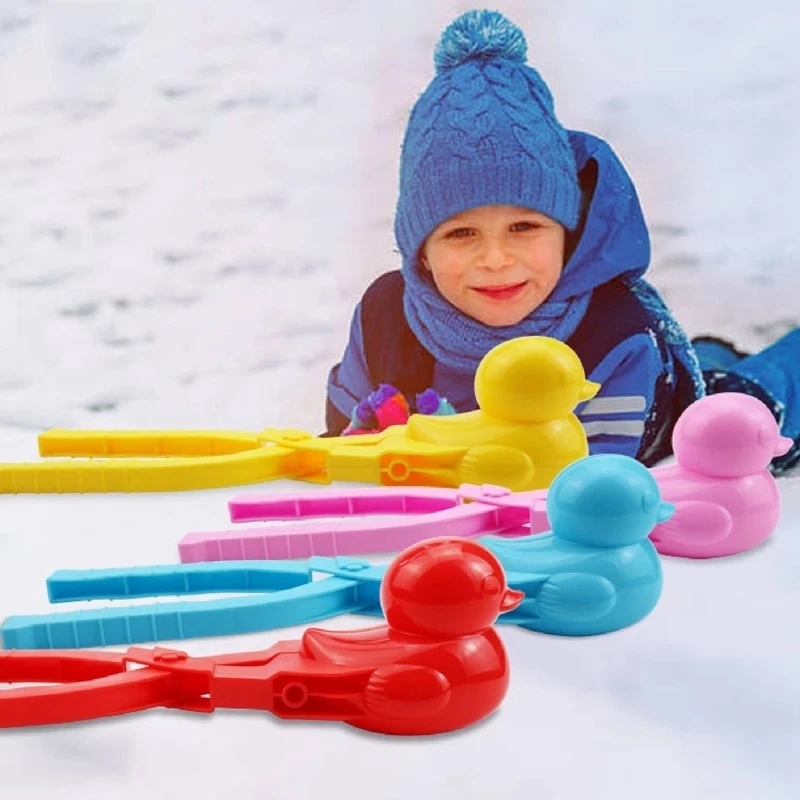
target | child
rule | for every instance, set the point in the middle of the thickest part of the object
(509, 225)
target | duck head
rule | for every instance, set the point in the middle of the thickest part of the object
(605, 501)
(727, 435)
(531, 379)
(446, 587)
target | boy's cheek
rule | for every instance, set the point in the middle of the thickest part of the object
(449, 278)
(450, 288)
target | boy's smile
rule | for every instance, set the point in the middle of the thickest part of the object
(495, 264)
(501, 291)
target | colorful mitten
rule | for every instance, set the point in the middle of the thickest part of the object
(376, 412)
(362, 420)
(390, 407)
(386, 406)
(431, 403)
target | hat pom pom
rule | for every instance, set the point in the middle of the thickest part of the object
(479, 35)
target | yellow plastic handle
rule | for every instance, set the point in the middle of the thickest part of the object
(157, 474)
(115, 444)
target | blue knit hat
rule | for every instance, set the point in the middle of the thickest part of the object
(484, 132)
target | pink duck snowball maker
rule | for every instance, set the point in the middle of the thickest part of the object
(726, 499)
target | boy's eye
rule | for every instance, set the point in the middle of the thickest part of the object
(527, 225)
(459, 233)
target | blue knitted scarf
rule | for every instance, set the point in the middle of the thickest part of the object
(460, 342)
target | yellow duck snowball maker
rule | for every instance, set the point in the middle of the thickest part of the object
(524, 433)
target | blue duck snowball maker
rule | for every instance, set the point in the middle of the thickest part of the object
(595, 571)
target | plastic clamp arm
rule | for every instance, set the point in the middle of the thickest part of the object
(300, 605)
(338, 503)
(182, 579)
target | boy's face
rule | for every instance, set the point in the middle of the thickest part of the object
(495, 264)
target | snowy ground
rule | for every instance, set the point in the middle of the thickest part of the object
(192, 196)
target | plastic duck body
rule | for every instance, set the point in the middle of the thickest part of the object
(600, 572)
(437, 658)
(727, 501)
(527, 390)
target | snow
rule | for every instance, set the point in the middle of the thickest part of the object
(194, 194)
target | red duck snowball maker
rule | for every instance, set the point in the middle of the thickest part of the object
(436, 666)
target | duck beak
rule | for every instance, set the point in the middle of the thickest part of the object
(588, 390)
(511, 599)
(783, 445)
(666, 511)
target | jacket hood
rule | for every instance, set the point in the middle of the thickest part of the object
(612, 240)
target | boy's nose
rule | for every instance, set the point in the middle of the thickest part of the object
(495, 255)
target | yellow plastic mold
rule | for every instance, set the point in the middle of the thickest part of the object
(524, 433)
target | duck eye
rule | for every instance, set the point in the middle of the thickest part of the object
(490, 586)
(650, 501)
(765, 436)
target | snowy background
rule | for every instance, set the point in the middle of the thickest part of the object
(193, 194)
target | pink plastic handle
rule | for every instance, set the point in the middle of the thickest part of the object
(338, 503)
(358, 536)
